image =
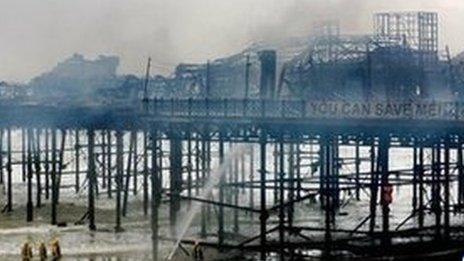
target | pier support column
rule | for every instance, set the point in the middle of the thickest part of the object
(53, 179)
(264, 214)
(325, 157)
(91, 178)
(460, 168)
(373, 186)
(103, 159)
(446, 187)
(203, 178)
(222, 177)
(109, 155)
(155, 194)
(235, 191)
(29, 176)
(291, 183)
(47, 164)
(280, 161)
(119, 179)
(189, 168)
(357, 162)
(414, 176)
(9, 206)
(420, 177)
(2, 152)
(275, 158)
(436, 186)
(130, 158)
(136, 163)
(23, 153)
(251, 177)
(77, 150)
(37, 165)
(298, 170)
(145, 172)
(197, 165)
(175, 159)
(384, 145)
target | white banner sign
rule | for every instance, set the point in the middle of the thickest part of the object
(386, 110)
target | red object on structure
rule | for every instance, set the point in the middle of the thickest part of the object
(387, 194)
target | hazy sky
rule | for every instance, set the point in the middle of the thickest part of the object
(36, 34)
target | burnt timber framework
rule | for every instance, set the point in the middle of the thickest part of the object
(166, 152)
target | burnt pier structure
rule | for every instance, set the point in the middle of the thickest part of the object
(288, 171)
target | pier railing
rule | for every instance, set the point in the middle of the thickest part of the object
(262, 108)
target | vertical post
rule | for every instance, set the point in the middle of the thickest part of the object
(119, 174)
(203, 178)
(23, 154)
(414, 177)
(357, 163)
(447, 188)
(276, 172)
(160, 161)
(383, 155)
(197, 166)
(298, 171)
(322, 171)
(103, 159)
(281, 197)
(91, 178)
(242, 171)
(460, 167)
(334, 177)
(325, 169)
(235, 191)
(421, 186)
(134, 179)
(37, 162)
(374, 187)
(264, 215)
(252, 177)
(61, 163)
(155, 195)
(77, 150)
(436, 180)
(47, 164)
(175, 159)
(208, 174)
(189, 167)
(1, 156)
(128, 173)
(291, 186)
(145, 172)
(221, 192)
(9, 172)
(29, 176)
(53, 178)
(110, 165)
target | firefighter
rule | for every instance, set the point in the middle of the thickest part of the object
(197, 251)
(42, 251)
(26, 252)
(56, 249)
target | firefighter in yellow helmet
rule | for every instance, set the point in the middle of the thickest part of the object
(42, 251)
(26, 252)
(55, 249)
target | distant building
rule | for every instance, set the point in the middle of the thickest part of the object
(77, 78)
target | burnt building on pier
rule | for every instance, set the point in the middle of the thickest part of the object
(400, 59)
